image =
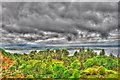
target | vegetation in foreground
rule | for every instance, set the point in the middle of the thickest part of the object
(58, 64)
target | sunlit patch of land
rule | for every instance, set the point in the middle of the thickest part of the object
(57, 64)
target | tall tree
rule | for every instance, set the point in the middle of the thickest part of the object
(102, 53)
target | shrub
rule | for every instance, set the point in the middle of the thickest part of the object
(30, 76)
(105, 61)
(89, 63)
(75, 64)
(66, 74)
(76, 74)
(101, 70)
(13, 68)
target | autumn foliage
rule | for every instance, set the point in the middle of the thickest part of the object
(57, 64)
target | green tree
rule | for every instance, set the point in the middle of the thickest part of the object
(75, 64)
(76, 54)
(111, 55)
(102, 53)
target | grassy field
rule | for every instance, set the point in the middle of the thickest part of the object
(84, 64)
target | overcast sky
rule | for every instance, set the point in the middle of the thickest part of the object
(60, 0)
(58, 21)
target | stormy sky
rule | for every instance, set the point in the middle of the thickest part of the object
(59, 22)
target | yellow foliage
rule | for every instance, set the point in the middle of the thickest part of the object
(57, 61)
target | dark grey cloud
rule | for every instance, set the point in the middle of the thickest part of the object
(100, 6)
(60, 17)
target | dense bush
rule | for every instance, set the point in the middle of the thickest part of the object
(107, 62)
(101, 70)
(57, 64)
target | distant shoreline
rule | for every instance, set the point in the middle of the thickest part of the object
(56, 46)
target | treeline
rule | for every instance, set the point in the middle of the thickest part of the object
(85, 63)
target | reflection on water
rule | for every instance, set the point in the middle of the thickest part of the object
(108, 50)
